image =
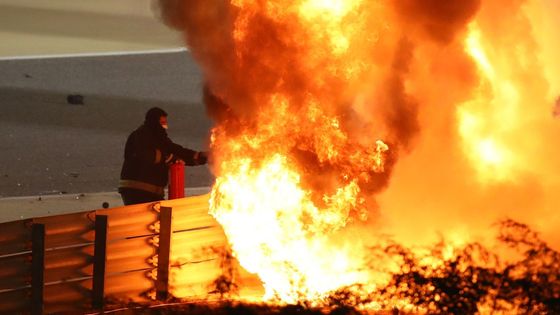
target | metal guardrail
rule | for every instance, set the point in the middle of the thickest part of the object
(78, 262)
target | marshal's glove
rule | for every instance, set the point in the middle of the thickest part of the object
(172, 159)
(201, 158)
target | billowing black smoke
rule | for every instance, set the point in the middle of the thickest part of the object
(241, 78)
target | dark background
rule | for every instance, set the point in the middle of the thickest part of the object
(48, 146)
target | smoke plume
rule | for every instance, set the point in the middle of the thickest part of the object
(417, 63)
(270, 59)
(460, 91)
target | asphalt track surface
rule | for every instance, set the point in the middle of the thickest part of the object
(48, 146)
(54, 27)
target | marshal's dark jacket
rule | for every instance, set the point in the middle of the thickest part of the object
(147, 151)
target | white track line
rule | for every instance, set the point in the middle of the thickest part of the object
(98, 54)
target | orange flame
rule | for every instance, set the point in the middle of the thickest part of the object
(316, 100)
(278, 227)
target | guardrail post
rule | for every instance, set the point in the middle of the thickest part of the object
(37, 268)
(176, 187)
(164, 249)
(99, 262)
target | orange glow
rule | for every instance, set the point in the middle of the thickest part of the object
(269, 202)
(483, 131)
(293, 176)
(275, 225)
(347, 120)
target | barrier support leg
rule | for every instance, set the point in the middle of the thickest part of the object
(37, 269)
(164, 249)
(99, 262)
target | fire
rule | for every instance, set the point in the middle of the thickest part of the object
(277, 231)
(331, 14)
(294, 175)
(278, 226)
(409, 118)
(485, 137)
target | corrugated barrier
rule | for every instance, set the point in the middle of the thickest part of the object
(119, 253)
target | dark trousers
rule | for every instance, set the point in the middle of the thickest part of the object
(135, 196)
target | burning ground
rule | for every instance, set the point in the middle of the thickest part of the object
(441, 279)
(341, 123)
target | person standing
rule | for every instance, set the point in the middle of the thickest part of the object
(147, 155)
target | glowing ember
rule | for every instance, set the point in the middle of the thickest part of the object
(315, 101)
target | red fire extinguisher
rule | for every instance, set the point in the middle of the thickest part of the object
(176, 180)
